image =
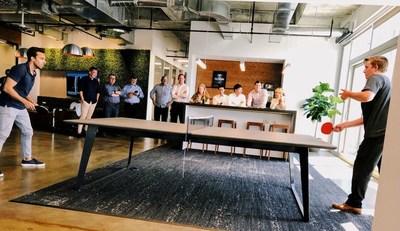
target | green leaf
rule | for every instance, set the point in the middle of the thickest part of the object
(322, 103)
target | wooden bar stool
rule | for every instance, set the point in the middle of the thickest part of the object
(232, 123)
(285, 128)
(261, 126)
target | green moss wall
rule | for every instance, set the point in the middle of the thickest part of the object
(122, 63)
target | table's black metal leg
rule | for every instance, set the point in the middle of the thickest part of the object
(304, 183)
(304, 205)
(87, 149)
(291, 169)
(130, 150)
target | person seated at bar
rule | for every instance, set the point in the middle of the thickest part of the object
(279, 100)
(201, 96)
(236, 98)
(258, 97)
(221, 98)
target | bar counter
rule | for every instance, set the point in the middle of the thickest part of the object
(242, 115)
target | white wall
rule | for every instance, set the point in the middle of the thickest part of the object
(312, 60)
(158, 42)
(6, 50)
(388, 197)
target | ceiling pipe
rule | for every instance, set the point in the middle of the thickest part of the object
(187, 30)
(252, 22)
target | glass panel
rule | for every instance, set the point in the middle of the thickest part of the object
(158, 69)
(353, 135)
(386, 31)
(361, 44)
(167, 69)
(391, 56)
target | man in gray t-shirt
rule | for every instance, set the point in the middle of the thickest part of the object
(375, 100)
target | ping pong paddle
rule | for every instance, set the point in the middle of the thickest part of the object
(41, 109)
(327, 128)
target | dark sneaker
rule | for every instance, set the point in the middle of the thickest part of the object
(32, 163)
(1, 174)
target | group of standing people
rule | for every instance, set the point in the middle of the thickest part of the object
(90, 90)
(165, 96)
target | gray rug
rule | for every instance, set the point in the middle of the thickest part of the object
(217, 191)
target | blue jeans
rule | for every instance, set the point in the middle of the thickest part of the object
(9, 116)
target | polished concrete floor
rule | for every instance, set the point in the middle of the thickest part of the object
(62, 155)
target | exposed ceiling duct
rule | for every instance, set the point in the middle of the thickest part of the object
(218, 10)
(283, 15)
(174, 16)
(282, 19)
(75, 13)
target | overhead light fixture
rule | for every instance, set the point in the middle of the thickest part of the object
(201, 63)
(242, 66)
(344, 36)
(21, 53)
(72, 50)
(88, 53)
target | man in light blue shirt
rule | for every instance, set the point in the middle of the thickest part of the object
(132, 94)
(161, 97)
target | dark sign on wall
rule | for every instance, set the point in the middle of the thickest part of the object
(218, 79)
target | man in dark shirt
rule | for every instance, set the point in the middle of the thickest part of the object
(15, 100)
(375, 100)
(89, 92)
(111, 93)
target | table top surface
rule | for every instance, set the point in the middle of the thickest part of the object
(287, 139)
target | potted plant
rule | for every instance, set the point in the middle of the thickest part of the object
(321, 104)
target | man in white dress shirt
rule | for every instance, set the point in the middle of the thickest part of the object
(236, 98)
(221, 98)
(258, 97)
(180, 93)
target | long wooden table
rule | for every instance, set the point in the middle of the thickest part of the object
(292, 143)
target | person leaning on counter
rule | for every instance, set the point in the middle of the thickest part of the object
(279, 100)
(221, 98)
(201, 95)
(258, 97)
(236, 98)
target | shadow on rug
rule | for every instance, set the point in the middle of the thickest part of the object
(217, 191)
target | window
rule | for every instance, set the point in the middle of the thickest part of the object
(361, 44)
(386, 31)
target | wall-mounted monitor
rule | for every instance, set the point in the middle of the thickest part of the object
(73, 78)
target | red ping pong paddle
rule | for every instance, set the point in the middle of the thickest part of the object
(327, 128)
